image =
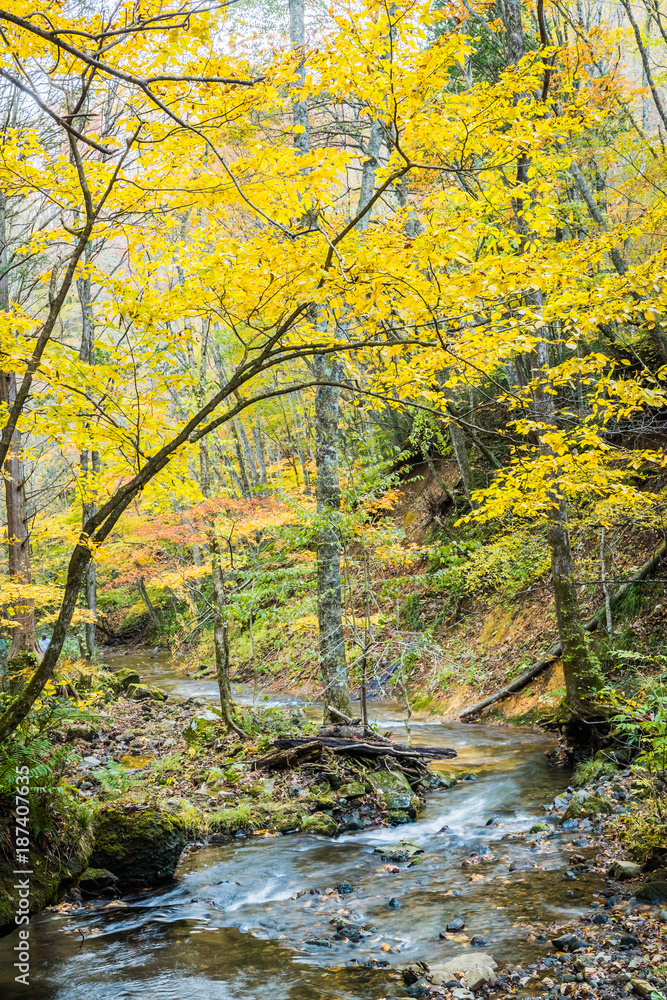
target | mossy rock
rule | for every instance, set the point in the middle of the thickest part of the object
(653, 892)
(140, 845)
(126, 676)
(201, 729)
(540, 828)
(398, 817)
(53, 874)
(287, 819)
(98, 881)
(321, 824)
(585, 806)
(395, 788)
(322, 801)
(352, 790)
(139, 692)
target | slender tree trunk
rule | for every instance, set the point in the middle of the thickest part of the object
(152, 613)
(259, 450)
(90, 461)
(24, 634)
(220, 627)
(329, 606)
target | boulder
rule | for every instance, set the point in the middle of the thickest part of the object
(404, 850)
(585, 806)
(140, 845)
(394, 787)
(126, 676)
(201, 728)
(477, 970)
(653, 892)
(352, 790)
(98, 882)
(321, 824)
(623, 870)
(139, 692)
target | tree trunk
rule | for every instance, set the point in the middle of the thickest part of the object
(220, 628)
(24, 634)
(90, 462)
(152, 614)
(329, 605)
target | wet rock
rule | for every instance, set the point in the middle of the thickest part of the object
(345, 887)
(348, 929)
(600, 919)
(540, 828)
(205, 901)
(352, 790)
(628, 941)
(469, 777)
(652, 892)
(457, 924)
(394, 788)
(418, 989)
(98, 882)
(398, 818)
(476, 941)
(522, 865)
(404, 850)
(319, 942)
(567, 942)
(141, 846)
(623, 870)
(320, 824)
(476, 970)
(394, 903)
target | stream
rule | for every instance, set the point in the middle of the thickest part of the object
(231, 928)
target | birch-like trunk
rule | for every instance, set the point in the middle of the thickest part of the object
(90, 461)
(24, 634)
(329, 604)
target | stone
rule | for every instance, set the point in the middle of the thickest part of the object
(418, 989)
(321, 825)
(652, 892)
(398, 817)
(539, 828)
(394, 787)
(522, 865)
(141, 846)
(476, 970)
(352, 790)
(98, 882)
(139, 692)
(345, 887)
(476, 941)
(641, 987)
(93, 761)
(126, 676)
(348, 929)
(320, 942)
(567, 942)
(623, 870)
(404, 850)
(457, 924)
(394, 903)
(585, 806)
(202, 728)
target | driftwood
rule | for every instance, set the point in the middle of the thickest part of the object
(290, 751)
(280, 759)
(555, 651)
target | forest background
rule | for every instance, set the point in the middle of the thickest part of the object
(333, 349)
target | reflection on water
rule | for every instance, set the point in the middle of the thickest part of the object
(231, 925)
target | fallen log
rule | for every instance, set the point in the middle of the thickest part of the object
(282, 758)
(554, 651)
(356, 748)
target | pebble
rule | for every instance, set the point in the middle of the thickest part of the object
(456, 925)
(394, 903)
(345, 887)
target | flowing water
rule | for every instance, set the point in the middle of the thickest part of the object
(231, 926)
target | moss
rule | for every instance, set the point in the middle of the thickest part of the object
(55, 869)
(586, 807)
(321, 824)
(140, 845)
